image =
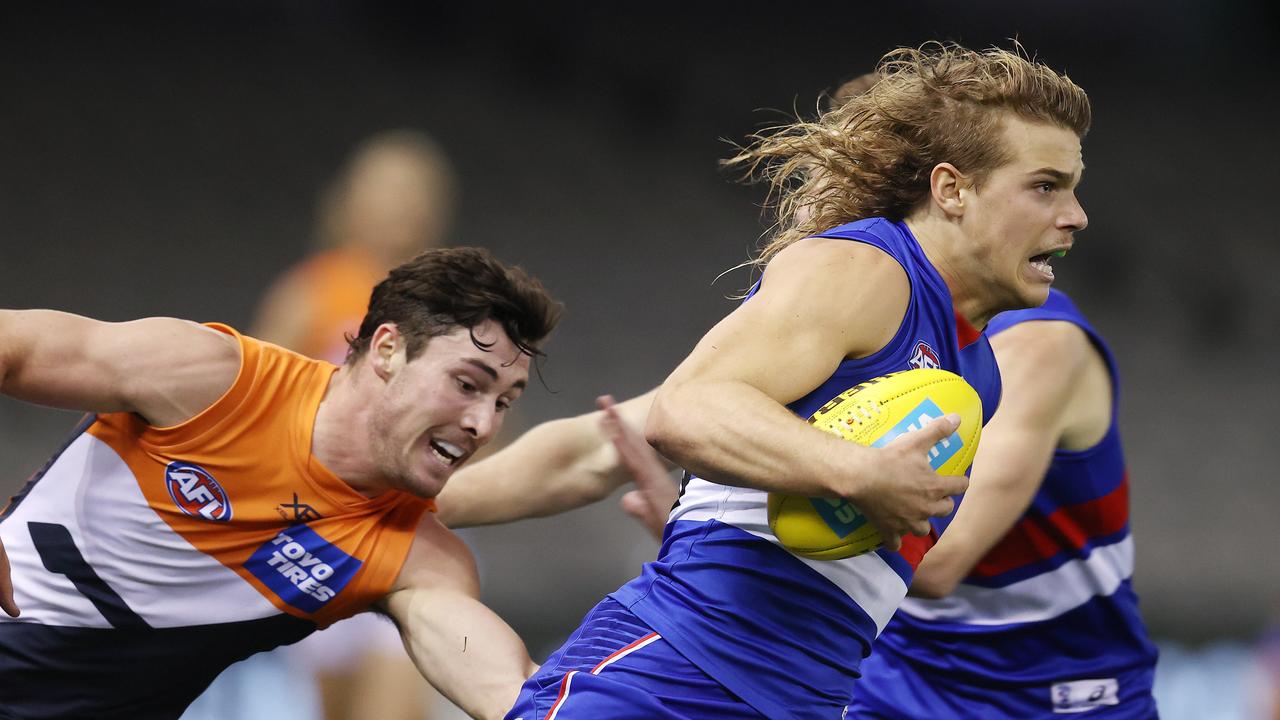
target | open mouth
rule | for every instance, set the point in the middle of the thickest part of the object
(446, 452)
(1044, 261)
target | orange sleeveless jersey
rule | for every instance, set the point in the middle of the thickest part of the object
(224, 518)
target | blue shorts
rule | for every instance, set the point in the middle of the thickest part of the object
(893, 689)
(617, 667)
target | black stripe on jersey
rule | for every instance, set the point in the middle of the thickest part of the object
(83, 425)
(60, 555)
(49, 673)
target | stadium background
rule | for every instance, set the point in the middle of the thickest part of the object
(165, 159)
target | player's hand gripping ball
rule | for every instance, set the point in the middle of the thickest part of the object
(874, 413)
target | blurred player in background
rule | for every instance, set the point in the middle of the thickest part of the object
(229, 496)
(964, 166)
(395, 198)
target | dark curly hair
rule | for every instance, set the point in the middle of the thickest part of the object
(443, 289)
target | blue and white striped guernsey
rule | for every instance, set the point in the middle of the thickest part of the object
(784, 633)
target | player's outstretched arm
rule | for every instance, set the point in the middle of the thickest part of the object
(554, 467)
(164, 369)
(460, 646)
(721, 413)
(1041, 363)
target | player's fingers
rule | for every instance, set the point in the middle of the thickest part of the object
(636, 505)
(6, 586)
(921, 528)
(952, 484)
(605, 402)
(942, 508)
(891, 541)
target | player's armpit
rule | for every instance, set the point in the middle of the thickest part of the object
(1040, 365)
(166, 370)
(721, 413)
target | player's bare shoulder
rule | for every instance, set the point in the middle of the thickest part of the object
(438, 558)
(858, 288)
(172, 370)
(166, 370)
(1071, 382)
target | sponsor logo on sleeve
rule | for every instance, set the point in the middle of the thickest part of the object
(302, 568)
(196, 493)
(923, 414)
(1082, 695)
(924, 357)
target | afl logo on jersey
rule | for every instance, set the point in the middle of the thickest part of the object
(196, 493)
(924, 358)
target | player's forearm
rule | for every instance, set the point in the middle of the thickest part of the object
(992, 505)
(731, 433)
(463, 649)
(555, 467)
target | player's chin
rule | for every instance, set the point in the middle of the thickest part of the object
(1032, 291)
(426, 481)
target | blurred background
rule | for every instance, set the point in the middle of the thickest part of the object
(177, 159)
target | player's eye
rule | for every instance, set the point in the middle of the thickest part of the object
(1045, 187)
(503, 405)
(466, 385)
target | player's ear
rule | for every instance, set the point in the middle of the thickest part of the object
(385, 344)
(945, 186)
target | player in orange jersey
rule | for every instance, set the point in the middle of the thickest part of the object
(229, 496)
(393, 199)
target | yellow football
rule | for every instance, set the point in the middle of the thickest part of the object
(874, 413)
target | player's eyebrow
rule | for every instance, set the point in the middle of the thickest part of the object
(493, 374)
(1062, 178)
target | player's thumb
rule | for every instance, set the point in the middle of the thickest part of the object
(637, 506)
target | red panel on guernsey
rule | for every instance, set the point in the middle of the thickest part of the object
(914, 547)
(1037, 538)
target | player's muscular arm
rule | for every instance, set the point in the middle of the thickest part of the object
(1042, 368)
(554, 467)
(721, 413)
(460, 646)
(164, 369)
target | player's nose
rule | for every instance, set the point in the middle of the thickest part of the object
(1074, 218)
(480, 421)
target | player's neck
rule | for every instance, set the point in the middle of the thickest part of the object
(949, 253)
(336, 442)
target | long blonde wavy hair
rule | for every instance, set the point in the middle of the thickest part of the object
(872, 154)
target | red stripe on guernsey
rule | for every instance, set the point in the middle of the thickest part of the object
(966, 333)
(625, 652)
(564, 693)
(615, 657)
(1037, 538)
